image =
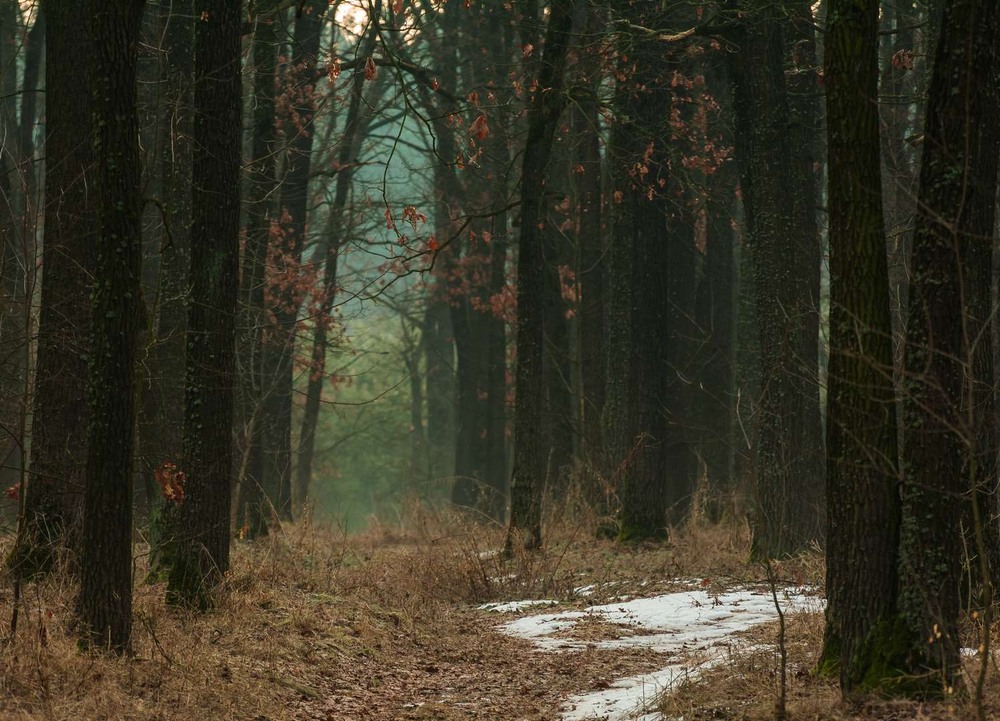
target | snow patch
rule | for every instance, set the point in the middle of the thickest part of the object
(694, 626)
(516, 606)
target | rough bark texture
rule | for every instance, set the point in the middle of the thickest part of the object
(979, 403)
(528, 477)
(786, 480)
(863, 512)
(203, 552)
(53, 501)
(105, 602)
(936, 349)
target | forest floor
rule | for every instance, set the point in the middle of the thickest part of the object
(413, 623)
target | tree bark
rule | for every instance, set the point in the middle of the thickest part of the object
(784, 469)
(254, 509)
(203, 553)
(863, 512)
(166, 385)
(938, 356)
(105, 602)
(528, 477)
(53, 501)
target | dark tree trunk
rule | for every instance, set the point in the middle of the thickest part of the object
(253, 511)
(591, 266)
(295, 201)
(785, 470)
(105, 602)
(681, 289)
(979, 408)
(165, 427)
(896, 90)
(863, 511)
(61, 416)
(805, 140)
(716, 312)
(557, 360)
(203, 551)
(937, 343)
(439, 382)
(546, 105)
(639, 303)
(470, 328)
(354, 131)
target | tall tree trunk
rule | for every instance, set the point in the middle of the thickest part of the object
(863, 512)
(937, 338)
(545, 107)
(18, 221)
(61, 415)
(350, 145)
(805, 140)
(295, 202)
(716, 312)
(203, 552)
(639, 303)
(784, 469)
(105, 602)
(254, 509)
(980, 407)
(163, 443)
(591, 263)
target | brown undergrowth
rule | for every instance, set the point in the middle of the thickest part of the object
(383, 625)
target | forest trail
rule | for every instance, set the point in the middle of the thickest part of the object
(314, 625)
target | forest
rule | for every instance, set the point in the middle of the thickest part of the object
(468, 359)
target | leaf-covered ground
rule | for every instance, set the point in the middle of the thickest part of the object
(388, 625)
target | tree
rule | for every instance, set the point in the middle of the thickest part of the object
(203, 551)
(286, 295)
(863, 510)
(938, 440)
(786, 470)
(329, 249)
(52, 503)
(163, 438)
(105, 602)
(254, 509)
(639, 303)
(545, 107)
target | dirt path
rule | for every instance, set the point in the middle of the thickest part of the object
(461, 667)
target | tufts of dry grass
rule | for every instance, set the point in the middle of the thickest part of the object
(315, 624)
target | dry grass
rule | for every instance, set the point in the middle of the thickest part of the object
(313, 624)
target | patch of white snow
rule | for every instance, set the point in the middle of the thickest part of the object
(695, 626)
(516, 606)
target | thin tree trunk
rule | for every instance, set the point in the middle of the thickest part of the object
(164, 444)
(527, 482)
(295, 204)
(253, 511)
(350, 145)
